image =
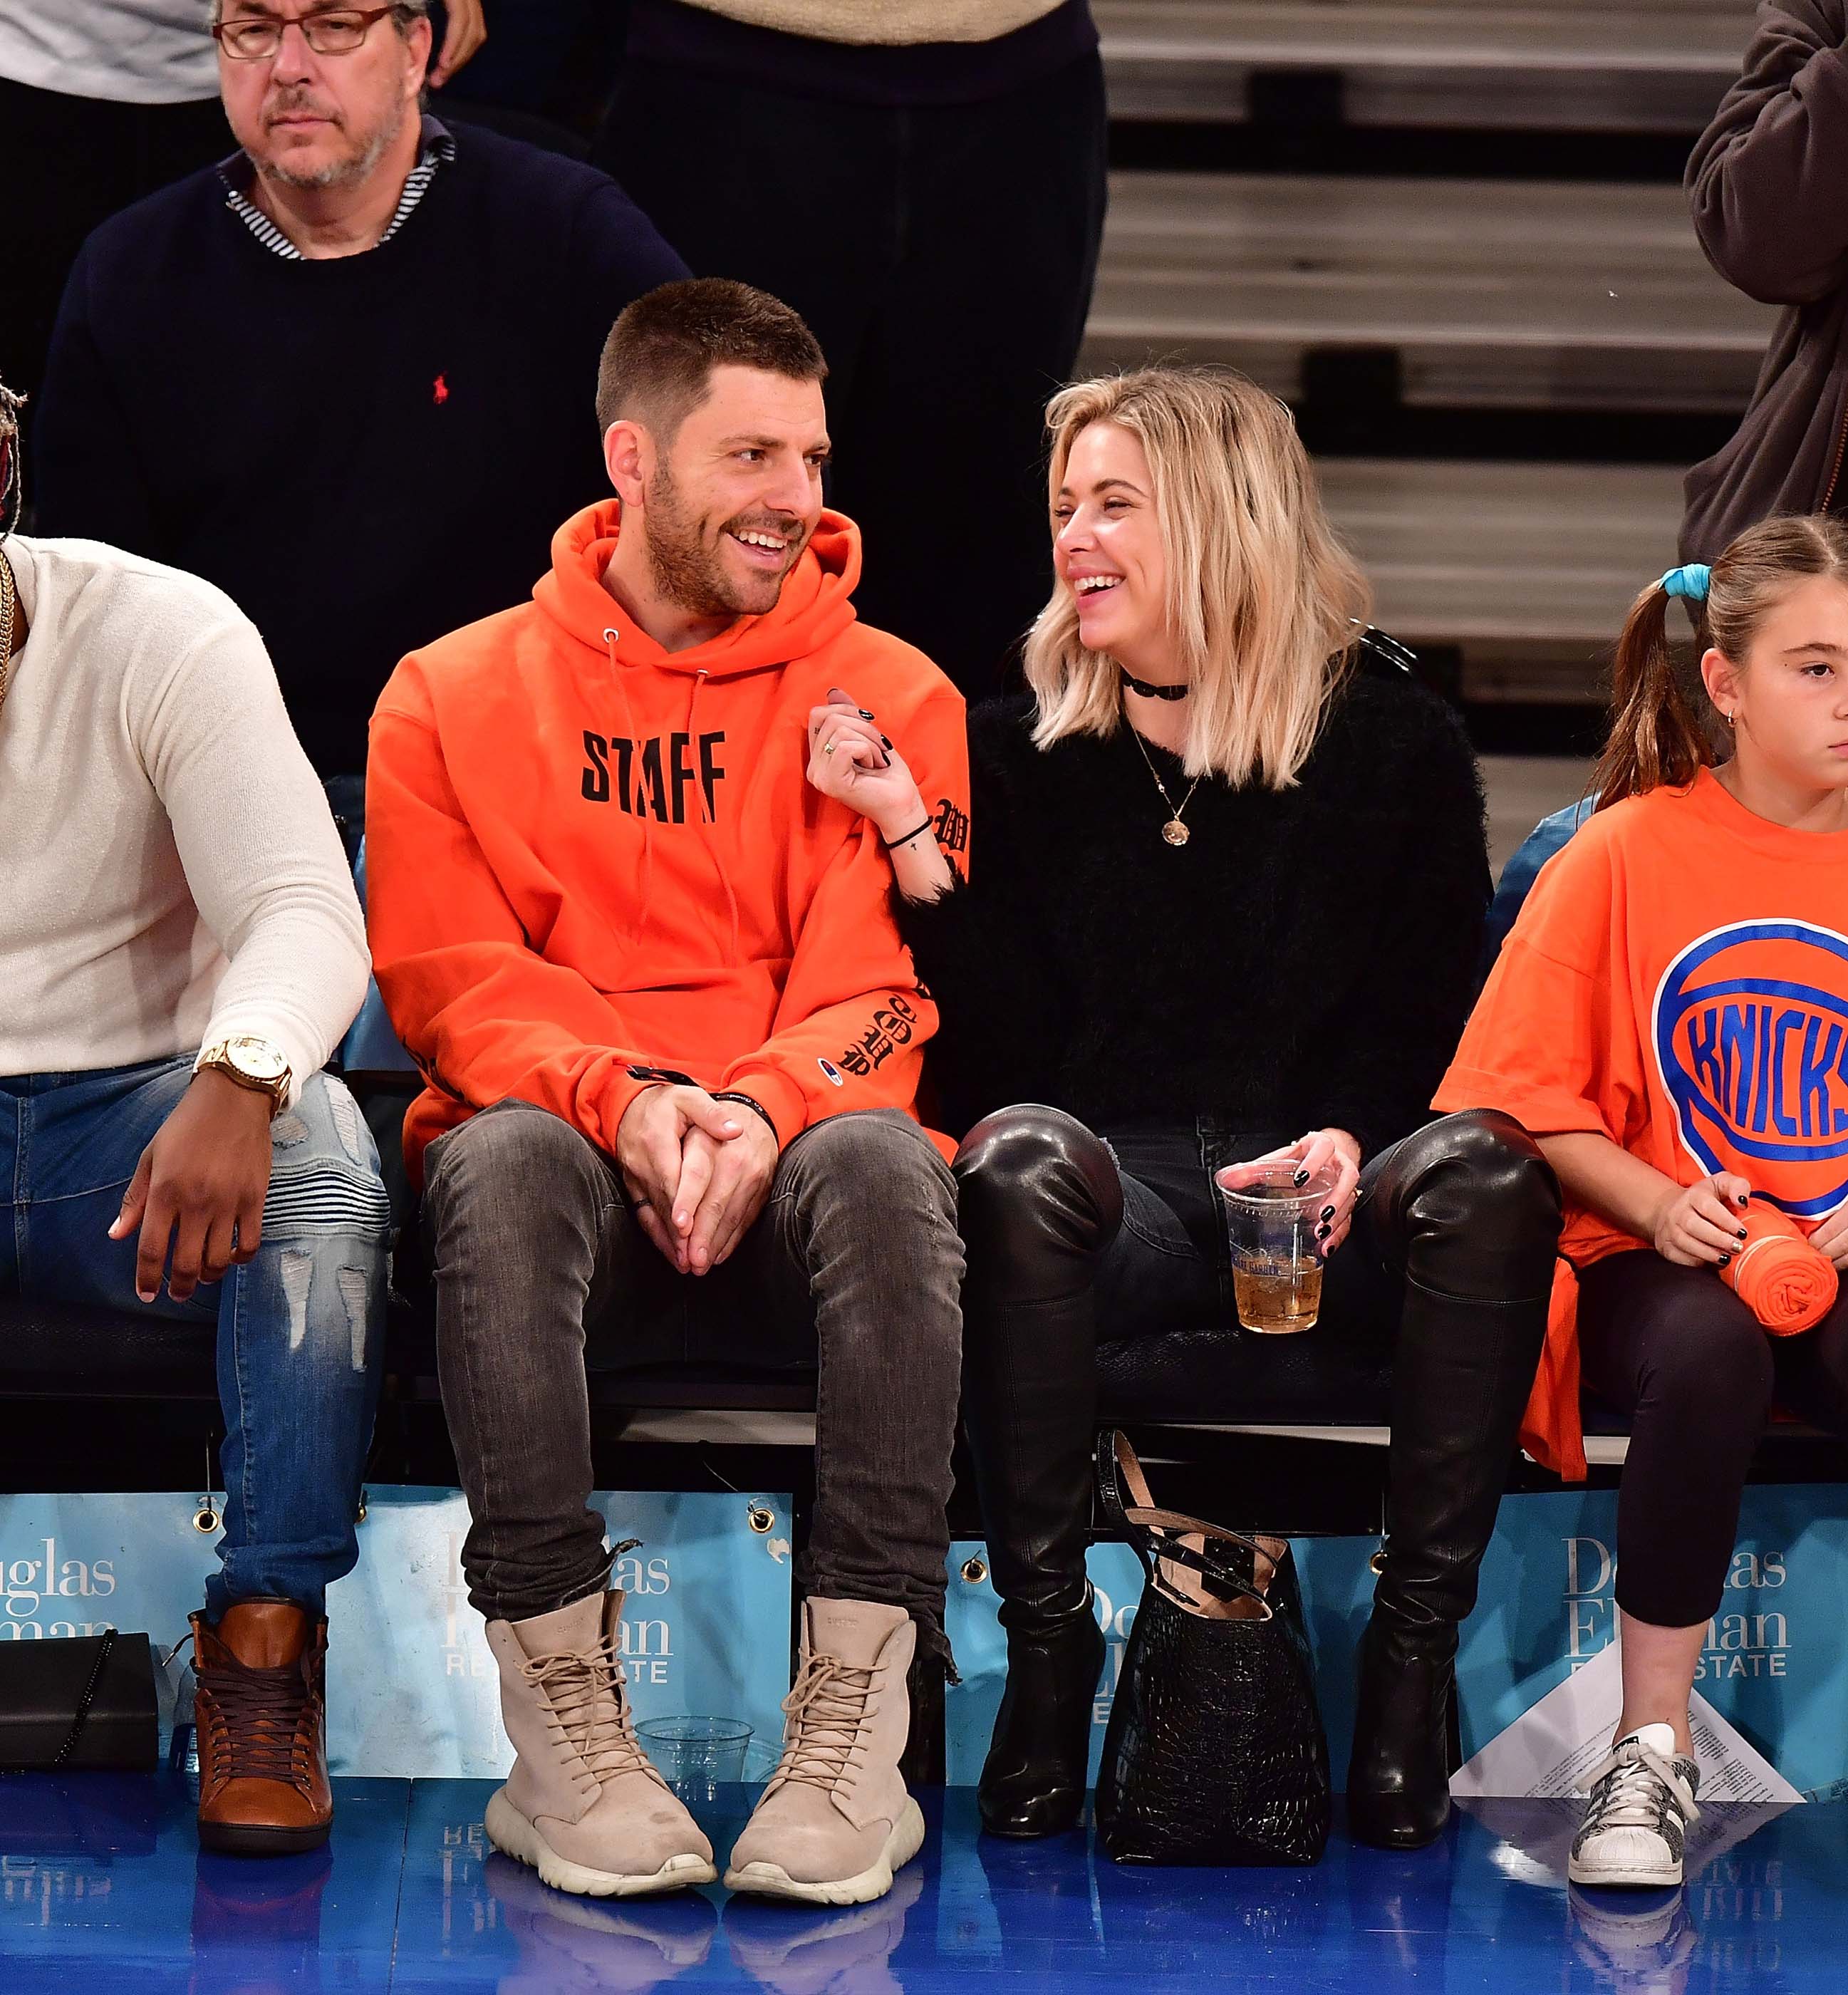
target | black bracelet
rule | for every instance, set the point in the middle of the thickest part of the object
(892, 844)
(749, 1101)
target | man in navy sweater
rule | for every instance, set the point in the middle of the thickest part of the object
(338, 375)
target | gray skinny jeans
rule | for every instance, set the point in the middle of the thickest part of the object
(854, 1265)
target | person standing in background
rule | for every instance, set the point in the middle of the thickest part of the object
(102, 101)
(924, 181)
(334, 375)
(1765, 180)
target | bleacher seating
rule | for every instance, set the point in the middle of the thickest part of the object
(1384, 217)
(1492, 294)
(1526, 570)
(1568, 65)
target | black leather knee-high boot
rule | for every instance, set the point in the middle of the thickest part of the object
(1039, 1199)
(1470, 1209)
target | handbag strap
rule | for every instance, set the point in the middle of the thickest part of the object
(104, 1645)
(1156, 1534)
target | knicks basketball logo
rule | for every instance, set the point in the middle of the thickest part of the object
(1751, 1036)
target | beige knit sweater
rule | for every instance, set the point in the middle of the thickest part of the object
(885, 23)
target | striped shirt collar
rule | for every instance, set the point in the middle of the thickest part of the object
(437, 148)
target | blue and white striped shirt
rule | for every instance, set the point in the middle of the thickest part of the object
(438, 148)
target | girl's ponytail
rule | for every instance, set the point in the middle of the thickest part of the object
(1656, 737)
(1662, 731)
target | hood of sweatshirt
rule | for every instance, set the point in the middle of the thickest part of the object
(814, 607)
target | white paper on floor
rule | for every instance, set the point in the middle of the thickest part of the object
(1555, 1743)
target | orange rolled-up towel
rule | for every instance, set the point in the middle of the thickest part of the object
(1787, 1285)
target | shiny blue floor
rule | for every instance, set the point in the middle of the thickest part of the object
(102, 1886)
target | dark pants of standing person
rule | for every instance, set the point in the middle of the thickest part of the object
(1678, 1353)
(943, 257)
(542, 1268)
(67, 164)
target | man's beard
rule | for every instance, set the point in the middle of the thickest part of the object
(692, 576)
(342, 173)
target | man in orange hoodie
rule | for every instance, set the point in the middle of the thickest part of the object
(670, 1040)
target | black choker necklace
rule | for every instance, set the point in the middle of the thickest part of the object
(1148, 692)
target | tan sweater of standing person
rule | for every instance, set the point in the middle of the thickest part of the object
(885, 23)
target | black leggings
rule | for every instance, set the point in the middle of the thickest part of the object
(1675, 1349)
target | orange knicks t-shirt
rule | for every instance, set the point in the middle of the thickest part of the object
(1678, 981)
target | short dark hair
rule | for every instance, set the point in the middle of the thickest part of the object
(658, 360)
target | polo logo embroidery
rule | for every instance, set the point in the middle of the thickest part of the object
(831, 1071)
(1750, 1032)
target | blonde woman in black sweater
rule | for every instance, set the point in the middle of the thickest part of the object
(1228, 901)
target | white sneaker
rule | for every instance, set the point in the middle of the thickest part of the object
(1641, 1801)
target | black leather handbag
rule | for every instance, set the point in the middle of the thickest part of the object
(1215, 1752)
(84, 1701)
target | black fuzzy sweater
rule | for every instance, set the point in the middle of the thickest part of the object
(1307, 960)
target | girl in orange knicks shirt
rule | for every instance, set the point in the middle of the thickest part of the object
(1669, 1018)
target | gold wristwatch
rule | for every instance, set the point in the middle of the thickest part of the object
(251, 1063)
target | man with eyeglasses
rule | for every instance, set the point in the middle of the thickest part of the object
(101, 102)
(334, 374)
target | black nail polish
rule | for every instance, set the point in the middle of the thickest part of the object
(1742, 1233)
(1302, 1178)
(1743, 1197)
(1323, 1231)
(884, 741)
(1328, 1212)
(1724, 1259)
(866, 713)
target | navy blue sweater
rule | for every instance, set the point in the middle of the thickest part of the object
(364, 452)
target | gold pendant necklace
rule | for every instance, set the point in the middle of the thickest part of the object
(1173, 831)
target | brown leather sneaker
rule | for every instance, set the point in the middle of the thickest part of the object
(261, 1711)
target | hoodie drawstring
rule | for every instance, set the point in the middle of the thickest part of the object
(705, 817)
(647, 817)
(706, 820)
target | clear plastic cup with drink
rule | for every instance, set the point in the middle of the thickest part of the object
(1276, 1271)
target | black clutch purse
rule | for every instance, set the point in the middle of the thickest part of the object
(1215, 1752)
(86, 1701)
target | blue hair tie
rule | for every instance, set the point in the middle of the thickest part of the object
(1690, 583)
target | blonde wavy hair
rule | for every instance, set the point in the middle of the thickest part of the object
(1265, 604)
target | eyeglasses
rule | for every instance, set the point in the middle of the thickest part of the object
(338, 32)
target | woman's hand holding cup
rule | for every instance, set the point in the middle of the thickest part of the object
(1332, 1149)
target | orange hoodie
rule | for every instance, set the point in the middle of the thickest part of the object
(586, 855)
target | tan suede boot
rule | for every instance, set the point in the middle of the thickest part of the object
(583, 1805)
(835, 1821)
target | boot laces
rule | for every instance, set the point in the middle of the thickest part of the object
(585, 1690)
(1635, 1787)
(827, 1714)
(255, 1716)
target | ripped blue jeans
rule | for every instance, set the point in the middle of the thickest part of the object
(300, 1327)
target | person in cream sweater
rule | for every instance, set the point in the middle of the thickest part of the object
(181, 948)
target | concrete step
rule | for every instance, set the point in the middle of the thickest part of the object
(1489, 294)
(1570, 65)
(1528, 570)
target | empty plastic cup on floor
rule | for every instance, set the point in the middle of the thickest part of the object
(1276, 1271)
(697, 1756)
